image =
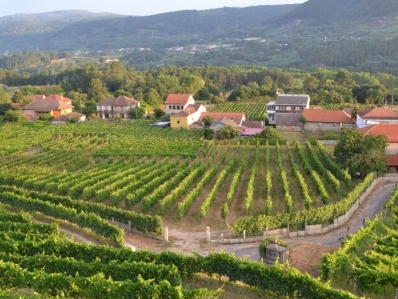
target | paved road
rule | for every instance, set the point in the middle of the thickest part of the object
(369, 208)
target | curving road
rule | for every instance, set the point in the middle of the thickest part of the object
(370, 207)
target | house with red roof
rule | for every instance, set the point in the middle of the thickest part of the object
(326, 120)
(116, 107)
(48, 105)
(176, 103)
(375, 116)
(389, 130)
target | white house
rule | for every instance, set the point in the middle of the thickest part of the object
(375, 116)
(176, 103)
(120, 106)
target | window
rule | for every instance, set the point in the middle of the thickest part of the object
(174, 107)
(178, 121)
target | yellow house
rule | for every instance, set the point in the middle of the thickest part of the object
(179, 121)
(186, 117)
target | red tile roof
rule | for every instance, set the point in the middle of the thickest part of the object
(47, 105)
(58, 98)
(119, 101)
(177, 99)
(188, 111)
(378, 113)
(327, 116)
(392, 160)
(390, 130)
(237, 117)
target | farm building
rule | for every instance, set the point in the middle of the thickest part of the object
(120, 106)
(375, 116)
(327, 120)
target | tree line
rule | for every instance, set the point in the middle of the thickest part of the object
(88, 84)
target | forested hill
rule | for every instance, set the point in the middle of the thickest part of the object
(72, 30)
(20, 24)
(322, 12)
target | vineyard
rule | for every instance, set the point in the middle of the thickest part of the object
(253, 111)
(369, 258)
(37, 260)
(145, 176)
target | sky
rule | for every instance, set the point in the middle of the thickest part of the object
(127, 7)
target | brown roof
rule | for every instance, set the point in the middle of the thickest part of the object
(292, 99)
(378, 113)
(177, 99)
(390, 130)
(35, 97)
(58, 98)
(237, 117)
(253, 124)
(392, 160)
(119, 101)
(327, 116)
(288, 119)
(45, 105)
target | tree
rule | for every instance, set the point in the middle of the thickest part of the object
(207, 120)
(192, 84)
(303, 120)
(361, 153)
(97, 91)
(158, 112)
(228, 132)
(344, 78)
(14, 116)
(46, 117)
(269, 133)
(4, 98)
(208, 133)
(152, 98)
(136, 113)
(17, 97)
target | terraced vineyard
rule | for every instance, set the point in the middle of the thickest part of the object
(253, 111)
(144, 175)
